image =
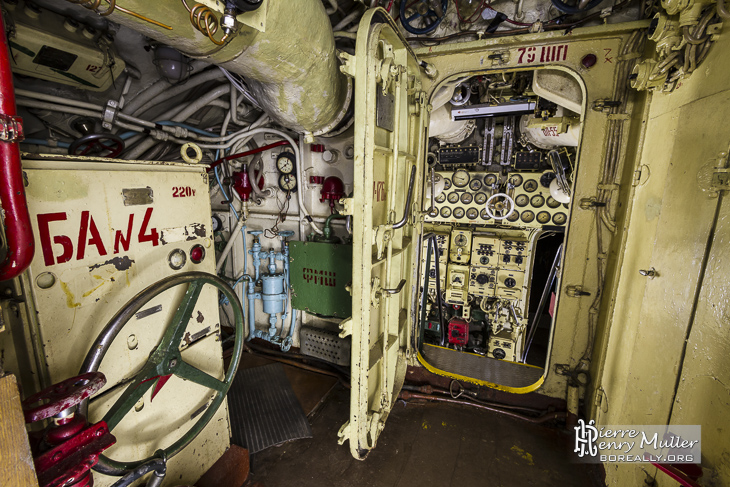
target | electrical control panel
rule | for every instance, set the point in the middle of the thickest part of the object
(441, 254)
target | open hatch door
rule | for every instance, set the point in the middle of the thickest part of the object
(390, 124)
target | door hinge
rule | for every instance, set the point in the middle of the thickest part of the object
(641, 175)
(346, 328)
(576, 291)
(720, 180)
(348, 64)
(604, 105)
(343, 434)
(590, 203)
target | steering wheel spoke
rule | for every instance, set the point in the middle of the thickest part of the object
(186, 371)
(174, 334)
(131, 396)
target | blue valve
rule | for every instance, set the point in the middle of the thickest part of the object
(255, 233)
(429, 18)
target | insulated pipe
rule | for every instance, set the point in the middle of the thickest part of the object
(145, 103)
(18, 231)
(291, 68)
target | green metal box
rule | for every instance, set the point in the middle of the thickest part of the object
(320, 273)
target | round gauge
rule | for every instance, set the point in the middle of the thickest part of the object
(460, 178)
(547, 178)
(480, 198)
(217, 224)
(515, 180)
(530, 185)
(447, 183)
(466, 198)
(475, 184)
(543, 217)
(514, 216)
(453, 197)
(441, 198)
(461, 240)
(522, 200)
(458, 212)
(285, 163)
(472, 213)
(560, 218)
(445, 212)
(490, 179)
(537, 201)
(527, 216)
(552, 202)
(288, 182)
(485, 215)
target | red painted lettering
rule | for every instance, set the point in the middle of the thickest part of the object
(44, 221)
(152, 236)
(88, 226)
(119, 238)
(522, 54)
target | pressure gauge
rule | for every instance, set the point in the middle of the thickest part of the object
(288, 182)
(445, 212)
(459, 213)
(527, 216)
(453, 197)
(441, 198)
(543, 217)
(514, 216)
(466, 198)
(285, 163)
(537, 201)
(552, 203)
(515, 180)
(560, 218)
(490, 179)
(475, 184)
(530, 185)
(522, 200)
(480, 198)
(447, 183)
(461, 240)
(472, 213)
(460, 178)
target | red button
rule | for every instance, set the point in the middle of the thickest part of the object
(197, 254)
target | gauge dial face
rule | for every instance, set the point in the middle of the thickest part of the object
(288, 182)
(490, 179)
(514, 216)
(522, 200)
(472, 213)
(515, 180)
(453, 197)
(480, 198)
(466, 198)
(441, 198)
(460, 178)
(447, 183)
(527, 216)
(461, 240)
(543, 217)
(530, 185)
(475, 184)
(285, 163)
(560, 218)
(484, 215)
(458, 212)
(537, 201)
(552, 202)
(445, 212)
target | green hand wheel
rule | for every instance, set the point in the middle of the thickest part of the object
(165, 360)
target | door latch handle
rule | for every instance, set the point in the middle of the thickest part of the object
(395, 290)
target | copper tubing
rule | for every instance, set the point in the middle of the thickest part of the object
(406, 395)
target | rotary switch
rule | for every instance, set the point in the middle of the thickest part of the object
(482, 279)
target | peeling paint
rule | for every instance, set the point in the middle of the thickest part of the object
(120, 263)
(193, 231)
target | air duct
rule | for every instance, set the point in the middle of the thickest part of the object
(287, 56)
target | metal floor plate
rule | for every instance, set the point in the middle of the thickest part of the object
(485, 369)
(264, 411)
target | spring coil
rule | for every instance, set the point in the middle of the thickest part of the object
(204, 20)
(95, 4)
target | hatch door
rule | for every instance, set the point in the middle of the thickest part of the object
(390, 124)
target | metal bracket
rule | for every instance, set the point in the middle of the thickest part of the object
(343, 434)
(11, 128)
(109, 115)
(346, 328)
(590, 203)
(650, 273)
(499, 58)
(641, 175)
(604, 105)
(348, 64)
(349, 206)
(721, 179)
(383, 234)
(576, 291)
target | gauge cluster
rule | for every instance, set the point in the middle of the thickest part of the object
(466, 199)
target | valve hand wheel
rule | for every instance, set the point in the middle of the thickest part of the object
(164, 361)
(413, 13)
(500, 206)
(100, 145)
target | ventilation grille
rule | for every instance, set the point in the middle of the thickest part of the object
(325, 344)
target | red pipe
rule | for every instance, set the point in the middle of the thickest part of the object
(247, 153)
(18, 231)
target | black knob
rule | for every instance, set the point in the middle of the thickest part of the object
(484, 260)
(482, 279)
(498, 353)
(510, 282)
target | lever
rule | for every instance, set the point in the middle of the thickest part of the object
(402, 221)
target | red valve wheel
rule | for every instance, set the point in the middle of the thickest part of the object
(62, 396)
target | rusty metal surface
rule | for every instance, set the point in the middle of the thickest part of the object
(231, 469)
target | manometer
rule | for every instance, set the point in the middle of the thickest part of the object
(461, 240)
(459, 213)
(522, 200)
(530, 185)
(453, 197)
(460, 178)
(288, 182)
(543, 217)
(559, 218)
(475, 184)
(480, 198)
(285, 163)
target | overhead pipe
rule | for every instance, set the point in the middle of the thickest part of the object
(291, 68)
(18, 230)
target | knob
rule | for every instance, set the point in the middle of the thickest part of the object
(286, 233)
(255, 233)
(482, 279)
(510, 282)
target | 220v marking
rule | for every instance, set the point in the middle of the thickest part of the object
(542, 54)
(182, 191)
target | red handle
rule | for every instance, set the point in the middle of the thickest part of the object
(62, 396)
(18, 231)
